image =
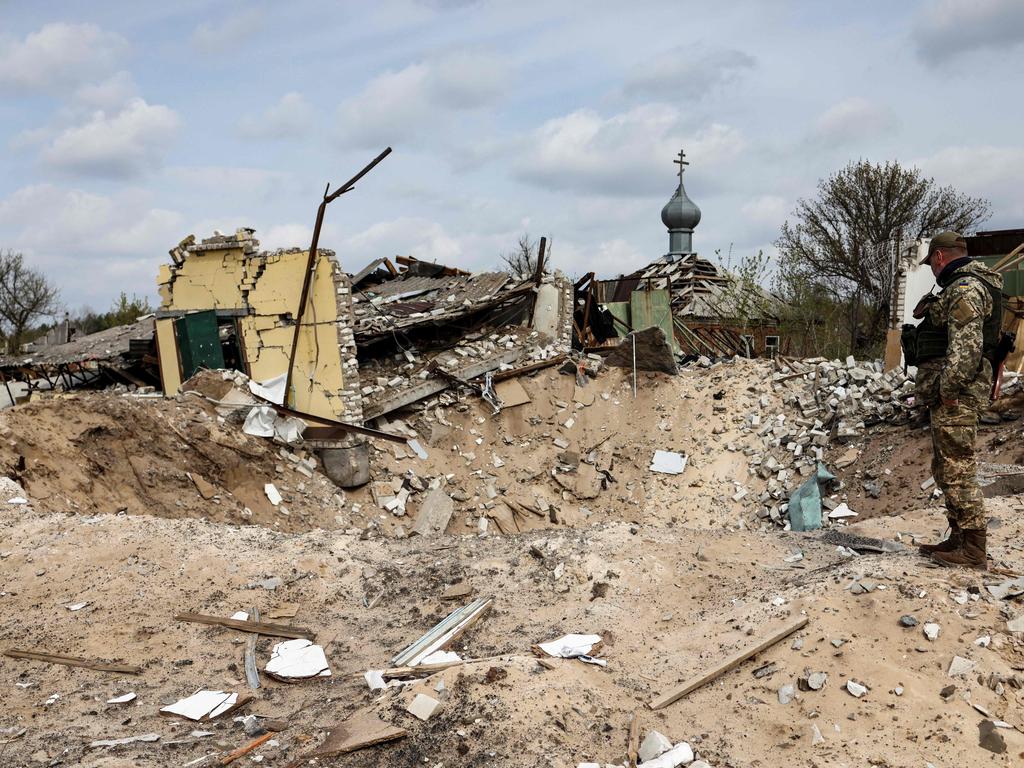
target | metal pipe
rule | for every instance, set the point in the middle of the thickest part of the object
(311, 261)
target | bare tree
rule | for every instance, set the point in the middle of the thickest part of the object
(844, 241)
(25, 297)
(522, 261)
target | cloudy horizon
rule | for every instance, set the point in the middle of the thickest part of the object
(128, 127)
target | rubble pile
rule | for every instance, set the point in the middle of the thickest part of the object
(848, 395)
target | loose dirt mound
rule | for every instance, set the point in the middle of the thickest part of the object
(103, 452)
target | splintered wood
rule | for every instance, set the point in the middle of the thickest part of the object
(364, 729)
(73, 661)
(258, 627)
(731, 662)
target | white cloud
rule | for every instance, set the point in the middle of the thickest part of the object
(991, 172)
(766, 210)
(109, 94)
(687, 72)
(245, 183)
(91, 245)
(59, 56)
(229, 33)
(946, 29)
(120, 145)
(290, 117)
(287, 236)
(852, 120)
(401, 106)
(624, 154)
(407, 236)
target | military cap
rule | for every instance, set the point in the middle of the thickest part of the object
(947, 239)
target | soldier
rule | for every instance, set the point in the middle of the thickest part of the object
(955, 342)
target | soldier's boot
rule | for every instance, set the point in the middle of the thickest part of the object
(951, 544)
(970, 555)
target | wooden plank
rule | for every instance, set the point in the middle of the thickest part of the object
(252, 673)
(363, 729)
(514, 372)
(259, 627)
(433, 386)
(729, 663)
(72, 661)
(242, 751)
(634, 741)
(511, 393)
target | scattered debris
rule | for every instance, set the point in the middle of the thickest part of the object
(856, 689)
(668, 462)
(960, 666)
(146, 737)
(73, 661)
(443, 634)
(730, 663)
(296, 660)
(423, 707)
(205, 705)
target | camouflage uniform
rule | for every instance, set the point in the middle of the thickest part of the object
(962, 375)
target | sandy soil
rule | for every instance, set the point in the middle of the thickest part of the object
(668, 569)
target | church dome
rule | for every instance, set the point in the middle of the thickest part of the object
(680, 212)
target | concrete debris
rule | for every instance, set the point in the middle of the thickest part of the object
(960, 666)
(931, 630)
(423, 707)
(680, 754)
(856, 689)
(654, 745)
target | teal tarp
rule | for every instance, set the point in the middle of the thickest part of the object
(805, 503)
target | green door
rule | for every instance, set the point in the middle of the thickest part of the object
(198, 342)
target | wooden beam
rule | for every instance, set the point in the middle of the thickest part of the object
(634, 741)
(242, 751)
(729, 663)
(259, 627)
(72, 661)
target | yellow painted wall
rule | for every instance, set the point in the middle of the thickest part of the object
(269, 285)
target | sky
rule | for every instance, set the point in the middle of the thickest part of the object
(126, 126)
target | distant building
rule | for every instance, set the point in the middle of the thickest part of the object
(704, 310)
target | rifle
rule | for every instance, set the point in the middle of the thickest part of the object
(1007, 342)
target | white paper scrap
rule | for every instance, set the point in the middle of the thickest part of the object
(570, 646)
(122, 699)
(76, 606)
(668, 462)
(299, 659)
(240, 616)
(200, 704)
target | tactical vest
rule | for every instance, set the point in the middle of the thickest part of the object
(932, 339)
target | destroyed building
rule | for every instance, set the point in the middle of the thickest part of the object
(702, 309)
(383, 339)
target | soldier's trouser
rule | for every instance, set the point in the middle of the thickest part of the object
(954, 466)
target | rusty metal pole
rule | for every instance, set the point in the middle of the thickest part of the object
(307, 279)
